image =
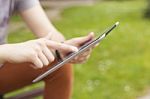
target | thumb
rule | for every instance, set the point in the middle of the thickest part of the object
(82, 40)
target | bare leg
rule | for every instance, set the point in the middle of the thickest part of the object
(58, 85)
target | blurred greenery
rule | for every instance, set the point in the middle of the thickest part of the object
(119, 68)
(117, 0)
(147, 10)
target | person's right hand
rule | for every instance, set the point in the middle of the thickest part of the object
(36, 52)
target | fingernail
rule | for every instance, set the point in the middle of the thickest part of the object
(92, 34)
(75, 49)
(40, 66)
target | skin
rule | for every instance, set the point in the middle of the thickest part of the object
(42, 49)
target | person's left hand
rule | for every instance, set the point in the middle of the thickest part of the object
(79, 41)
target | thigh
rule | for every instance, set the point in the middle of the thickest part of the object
(15, 76)
(59, 86)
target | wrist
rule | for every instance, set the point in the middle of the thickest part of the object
(56, 36)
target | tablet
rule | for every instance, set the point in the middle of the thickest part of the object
(83, 48)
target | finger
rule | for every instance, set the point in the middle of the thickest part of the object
(83, 58)
(77, 59)
(43, 58)
(33, 66)
(86, 53)
(87, 57)
(95, 45)
(74, 60)
(37, 62)
(82, 40)
(80, 59)
(61, 46)
(78, 62)
(48, 54)
(88, 50)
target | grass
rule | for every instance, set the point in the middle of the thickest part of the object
(119, 67)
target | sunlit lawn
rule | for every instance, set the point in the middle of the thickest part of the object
(119, 67)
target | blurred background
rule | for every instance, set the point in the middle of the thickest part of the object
(119, 68)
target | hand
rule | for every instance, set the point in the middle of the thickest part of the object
(36, 52)
(78, 42)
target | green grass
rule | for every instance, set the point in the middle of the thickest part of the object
(119, 68)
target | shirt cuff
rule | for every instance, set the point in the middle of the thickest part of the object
(22, 5)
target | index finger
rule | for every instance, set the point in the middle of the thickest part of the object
(61, 46)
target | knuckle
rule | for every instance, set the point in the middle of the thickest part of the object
(32, 54)
(84, 54)
(60, 44)
(41, 42)
(88, 51)
(76, 58)
(37, 48)
(81, 62)
(82, 59)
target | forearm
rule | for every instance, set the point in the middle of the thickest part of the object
(39, 23)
